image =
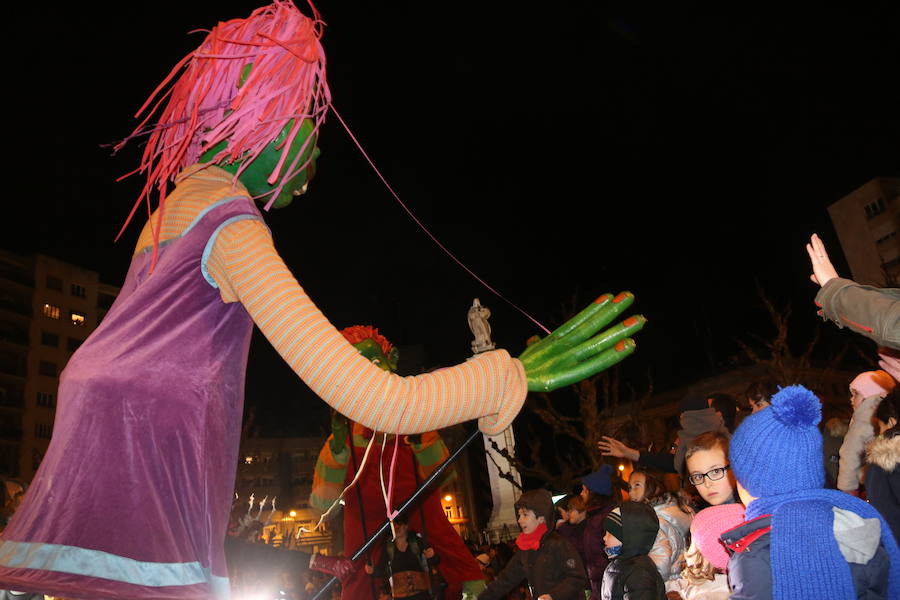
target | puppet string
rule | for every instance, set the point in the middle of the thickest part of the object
(426, 230)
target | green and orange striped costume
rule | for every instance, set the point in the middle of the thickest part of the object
(241, 261)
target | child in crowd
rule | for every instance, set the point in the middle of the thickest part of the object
(866, 391)
(584, 533)
(708, 468)
(801, 541)
(599, 499)
(833, 432)
(707, 559)
(631, 529)
(549, 562)
(883, 456)
(674, 521)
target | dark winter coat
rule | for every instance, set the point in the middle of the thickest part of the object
(632, 575)
(750, 575)
(750, 568)
(883, 479)
(555, 568)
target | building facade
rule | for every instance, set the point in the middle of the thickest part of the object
(281, 469)
(48, 307)
(867, 221)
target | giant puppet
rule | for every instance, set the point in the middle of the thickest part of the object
(405, 462)
(132, 498)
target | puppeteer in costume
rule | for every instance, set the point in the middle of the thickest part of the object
(132, 498)
(364, 507)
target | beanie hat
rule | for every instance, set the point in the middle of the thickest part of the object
(779, 450)
(873, 383)
(613, 523)
(599, 482)
(540, 502)
(709, 524)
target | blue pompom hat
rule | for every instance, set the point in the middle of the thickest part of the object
(779, 450)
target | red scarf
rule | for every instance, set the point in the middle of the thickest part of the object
(531, 541)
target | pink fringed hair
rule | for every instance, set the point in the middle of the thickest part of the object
(205, 105)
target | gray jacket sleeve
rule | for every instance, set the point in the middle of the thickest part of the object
(858, 435)
(870, 311)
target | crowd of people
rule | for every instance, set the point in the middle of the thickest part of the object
(755, 519)
(776, 504)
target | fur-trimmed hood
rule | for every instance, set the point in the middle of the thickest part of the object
(884, 452)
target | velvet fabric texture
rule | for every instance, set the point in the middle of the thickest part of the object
(133, 496)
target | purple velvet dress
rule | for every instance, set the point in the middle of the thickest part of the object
(133, 497)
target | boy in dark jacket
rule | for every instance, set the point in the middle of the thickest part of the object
(548, 561)
(631, 530)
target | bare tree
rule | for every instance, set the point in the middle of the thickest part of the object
(775, 352)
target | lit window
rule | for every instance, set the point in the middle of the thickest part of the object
(51, 311)
(248, 460)
(77, 317)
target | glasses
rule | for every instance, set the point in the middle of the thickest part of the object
(713, 475)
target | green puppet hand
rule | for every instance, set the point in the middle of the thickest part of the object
(576, 350)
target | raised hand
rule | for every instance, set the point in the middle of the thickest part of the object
(823, 271)
(573, 352)
(612, 447)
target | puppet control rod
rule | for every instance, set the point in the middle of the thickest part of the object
(405, 506)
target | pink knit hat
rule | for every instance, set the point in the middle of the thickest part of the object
(873, 383)
(709, 524)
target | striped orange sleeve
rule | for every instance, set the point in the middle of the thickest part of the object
(247, 268)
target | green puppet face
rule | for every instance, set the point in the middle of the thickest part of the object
(255, 176)
(372, 350)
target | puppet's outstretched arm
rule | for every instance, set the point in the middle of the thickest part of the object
(491, 387)
(248, 269)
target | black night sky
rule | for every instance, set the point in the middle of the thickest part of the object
(557, 149)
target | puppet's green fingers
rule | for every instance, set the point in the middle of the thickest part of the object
(595, 345)
(585, 326)
(551, 379)
(569, 325)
